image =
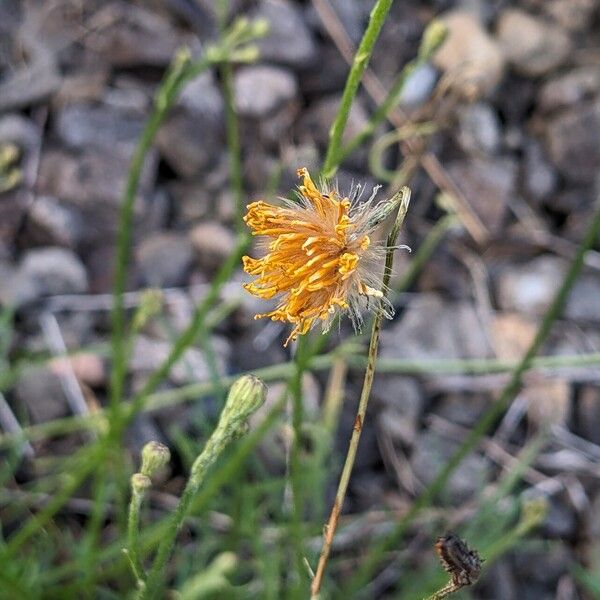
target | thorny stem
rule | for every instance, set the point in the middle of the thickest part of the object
(336, 510)
(361, 60)
(448, 589)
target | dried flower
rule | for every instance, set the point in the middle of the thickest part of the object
(320, 258)
(463, 564)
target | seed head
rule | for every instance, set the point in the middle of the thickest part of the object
(319, 258)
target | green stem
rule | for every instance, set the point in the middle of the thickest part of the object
(244, 398)
(340, 496)
(197, 391)
(432, 39)
(359, 64)
(490, 417)
(133, 529)
(170, 87)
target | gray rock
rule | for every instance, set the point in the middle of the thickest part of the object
(545, 565)
(584, 300)
(429, 456)
(529, 288)
(479, 129)
(533, 46)
(573, 142)
(289, 41)
(53, 223)
(98, 126)
(165, 260)
(316, 122)
(539, 177)
(463, 409)
(569, 89)
(431, 328)
(136, 36)
(202, 96)
(213, 243)
(40, 390)
(94, 181)
(469, 55)
(572, 15)
(149, 353)
(588, 418)
(402, 402)
(190, 142)
(419, 86)
(487, 184)
(46, 272)
(261, 89)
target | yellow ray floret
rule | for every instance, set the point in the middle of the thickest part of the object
(313, 260)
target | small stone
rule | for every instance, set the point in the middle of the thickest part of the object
(432, 328)
(135, 37)
(100, 126)
(573, 15)
(149, 353)
(556, 407)
(94, 181)
(430, 455)
(89, 368)
(539, 177)
(289, 40)
(419, 86)
(573, 142)
(41, 391)
(261, 89)
(463, 409)
(533, 46)
(530, 287)
(583, 303)
(165, 260)
(470, 56)
(487, 185)
(479, 129)
(402, 402)
(190, 142)
(213, 243)
(588, 418)
(569, 89)
(47, 272)
(53, 223)
(511, 334)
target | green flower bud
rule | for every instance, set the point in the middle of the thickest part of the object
(433, 37)
(246, 396)
(154, 457)
(140, 483)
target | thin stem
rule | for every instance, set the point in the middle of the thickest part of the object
(492, 414)
(199, 390)
(331, 526)
(172, 82)
(133, 533)
(244, 398)
(361, 60)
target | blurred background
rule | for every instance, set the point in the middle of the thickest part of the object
(498, 136)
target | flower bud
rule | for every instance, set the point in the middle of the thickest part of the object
(154, 457)
(140, 483)
(433, 37)
(245, 396)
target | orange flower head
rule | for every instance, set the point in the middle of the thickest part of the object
(319, 257)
